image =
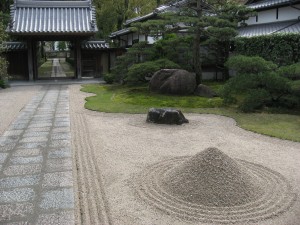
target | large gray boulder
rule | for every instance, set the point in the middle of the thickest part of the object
(166, 116)
(205, 91)
(173, 81)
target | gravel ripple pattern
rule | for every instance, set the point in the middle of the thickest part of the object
(276, 199)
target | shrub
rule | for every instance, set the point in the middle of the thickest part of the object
(254, 100)
(109, 78)
(292, 71)
(258, 87)
(296, 92)
(138, 53)
(3, 73)
(140, 72)
(247, 64)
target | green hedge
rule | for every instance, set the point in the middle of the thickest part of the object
(283, 49)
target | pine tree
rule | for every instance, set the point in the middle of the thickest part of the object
(211, 23)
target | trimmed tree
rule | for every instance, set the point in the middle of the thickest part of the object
(257, 84)
(212, 25)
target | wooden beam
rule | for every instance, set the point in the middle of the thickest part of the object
(34, 60)
(30, 60)
(78, 59)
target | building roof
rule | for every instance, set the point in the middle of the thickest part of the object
(262, 4)
(94, 45)
(140, 18)
(270, 28)
(52, 17)
(13, 46)
(161, 9)
(120, 32)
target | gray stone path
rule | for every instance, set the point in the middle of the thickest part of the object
(36, 182)
(57, 70)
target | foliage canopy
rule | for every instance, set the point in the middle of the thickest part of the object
(211, 24)
(259, 84)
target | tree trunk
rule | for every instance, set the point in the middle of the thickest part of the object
(126, 7)
(197, 50)
(157, 3)
(120, 22)
(197, 57)
(225, 70)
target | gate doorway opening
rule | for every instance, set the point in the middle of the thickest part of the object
(55, 60)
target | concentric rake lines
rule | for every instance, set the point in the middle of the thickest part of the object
(276, 196)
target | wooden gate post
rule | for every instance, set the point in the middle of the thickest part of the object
(30, 60)
(34, 60)
(78, 59)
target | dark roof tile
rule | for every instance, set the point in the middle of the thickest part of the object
(269, 3)
(270, 28)
(50, 17)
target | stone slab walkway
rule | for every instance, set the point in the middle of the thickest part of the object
(57, 70)
(36, 182)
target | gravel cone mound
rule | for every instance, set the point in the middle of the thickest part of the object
(211, 187)
(211, 178)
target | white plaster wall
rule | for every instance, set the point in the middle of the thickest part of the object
(129, 41)
(151, 40)
(288, 13)
(135, 37)
(251, 20)
(269, 16)
(141, 37)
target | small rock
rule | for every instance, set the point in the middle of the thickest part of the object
(205, 91)
(166, 116)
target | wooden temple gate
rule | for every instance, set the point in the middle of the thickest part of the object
(74, 21)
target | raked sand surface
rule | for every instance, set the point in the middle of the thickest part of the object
(12, 100)
(112, 150)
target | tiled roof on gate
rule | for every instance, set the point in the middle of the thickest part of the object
(270, 28)
(270, 3)
(94, 45)
(52, 17)
(13, 46)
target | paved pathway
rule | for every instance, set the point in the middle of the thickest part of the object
(57, 70)
(36, 184)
